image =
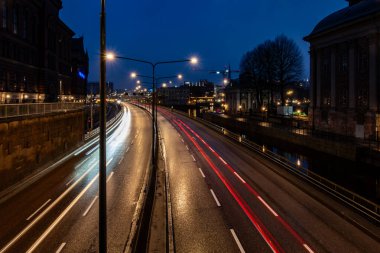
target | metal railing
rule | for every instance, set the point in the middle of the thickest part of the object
(17, 110)
(363, 205)
(109, 123)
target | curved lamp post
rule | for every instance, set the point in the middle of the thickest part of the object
(110, 56)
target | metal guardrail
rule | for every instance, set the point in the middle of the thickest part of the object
(365, 206)
(95, 132)
(16, 110)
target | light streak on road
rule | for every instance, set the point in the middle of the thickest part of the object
(265, 234)
(254, 192)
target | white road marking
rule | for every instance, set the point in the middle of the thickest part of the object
(220, 158)
(76, 167)
(237, 241)
(109, 177)
(193, 158)
(267, 206)
(308, 248)
(127, 150)
(61, 216)
(182, 140)
(92, 150)
(67, 184)
(121, 160)
(61, 248)
(241, 179)
(109, 161)
(90, 206)
(203, 175)
(216, 199)
(187, 147)
(40, 216)
(132, 142)
(47, 202)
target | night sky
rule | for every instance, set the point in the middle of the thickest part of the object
(218, 32)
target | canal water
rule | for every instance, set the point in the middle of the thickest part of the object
(358, 177)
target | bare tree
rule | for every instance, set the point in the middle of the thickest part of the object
(288, 64)
(273, 64)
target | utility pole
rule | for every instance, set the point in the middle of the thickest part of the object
(102, 136)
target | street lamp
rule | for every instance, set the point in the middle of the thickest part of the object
(111, 56)
(102, 135)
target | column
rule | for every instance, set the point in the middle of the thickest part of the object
(372, 74)
(333, 79)
(312, 78)
(318, 81)
(351, 76)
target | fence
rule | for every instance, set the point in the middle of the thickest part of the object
(16, 110)
(109, 123)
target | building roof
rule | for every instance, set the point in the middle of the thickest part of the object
(352, 13)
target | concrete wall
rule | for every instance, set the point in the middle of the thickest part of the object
(26, 143)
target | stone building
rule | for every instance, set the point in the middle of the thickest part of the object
(79, 69)
(35, 52)
(344, 71)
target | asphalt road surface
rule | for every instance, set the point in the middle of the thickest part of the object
(59, 213)
(254, 206)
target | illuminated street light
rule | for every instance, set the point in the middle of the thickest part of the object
(110, 56)
(225, 81)
(164, 85)
(180, 76)
(194, 60)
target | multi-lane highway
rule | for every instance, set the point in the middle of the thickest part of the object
(226, 198)
(59, 212)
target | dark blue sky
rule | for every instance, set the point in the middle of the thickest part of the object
(219, 32)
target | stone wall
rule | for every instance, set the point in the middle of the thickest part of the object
(26, 143)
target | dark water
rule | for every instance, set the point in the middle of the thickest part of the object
(358, 177)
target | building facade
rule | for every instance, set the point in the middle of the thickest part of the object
(35, 52)
(344, 71)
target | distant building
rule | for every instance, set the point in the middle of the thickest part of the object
(181, 95)
(344, 69)
(79, 68)
(93, 88)
(35, 52)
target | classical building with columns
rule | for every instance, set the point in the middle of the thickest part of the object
(345, 71)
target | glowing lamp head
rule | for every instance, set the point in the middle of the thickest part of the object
(110, 56)
(180, 76)
(133, 75)
(194, 60)
(164, 85)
